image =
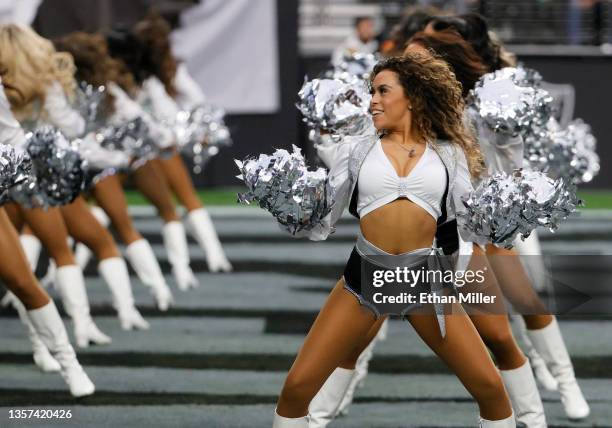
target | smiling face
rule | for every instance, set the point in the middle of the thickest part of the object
(390, 108)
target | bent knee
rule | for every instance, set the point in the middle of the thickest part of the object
(500, 339)
(101, 243)
(58, 250)
(20, 282)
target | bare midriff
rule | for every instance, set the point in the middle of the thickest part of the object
(399, 227)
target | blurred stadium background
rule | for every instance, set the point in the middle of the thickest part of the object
(568, 41)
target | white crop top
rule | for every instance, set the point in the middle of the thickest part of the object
(379, 183)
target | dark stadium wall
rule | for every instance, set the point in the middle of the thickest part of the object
(591, 77)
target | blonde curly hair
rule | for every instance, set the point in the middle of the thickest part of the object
(29, 64)
(437, 101)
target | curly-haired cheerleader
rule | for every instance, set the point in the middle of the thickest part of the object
(494, 328)
(416, 103)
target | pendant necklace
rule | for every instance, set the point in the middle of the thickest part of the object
(410, 151)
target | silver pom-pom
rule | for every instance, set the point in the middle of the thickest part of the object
(586, 161)
(336, 106)
(133, 138)
(58, 172)
(568, 153)
(15, 169)
(201, 133)
(87, 102)
(187, 129)
(357, 64)
(506, 105)
(527, 77)
(282, 184)
(506, 206)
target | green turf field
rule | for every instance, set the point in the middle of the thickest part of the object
(595, 199)
(220, 196)
(601, 199)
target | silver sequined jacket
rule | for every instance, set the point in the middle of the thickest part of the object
(345, 159)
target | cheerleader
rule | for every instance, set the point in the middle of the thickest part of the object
(167, 87)
(493, 328)
(24, 56)
(150, 179)
(46, 331)
(97, 68)
(542, 329)
(416, 103)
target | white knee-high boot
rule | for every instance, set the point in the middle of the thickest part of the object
(383, 332)
(325, 406)
(177, 250)
(142, 258)
(361, 372)
(49, 279)
(551, 347)
(31, 247)
(363, 362)
(204, 231)
(283, 422)
(538, 365)
(100, 215)
(524, 396)
(115, 274)
(509, 422)
(82, 253)
(69, 279)
(530, 253)
(48, 324)
(42, 358)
